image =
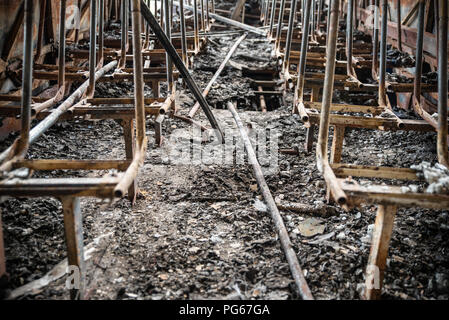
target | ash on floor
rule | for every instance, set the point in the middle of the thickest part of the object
(198, 231)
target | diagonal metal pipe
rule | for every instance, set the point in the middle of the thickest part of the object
(217, 73)
(149, 17)
(290, 254)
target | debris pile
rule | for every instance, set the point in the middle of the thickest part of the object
(395, 77)
(399, 59)
(437, 176)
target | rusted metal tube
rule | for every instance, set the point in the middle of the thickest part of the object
(313, 18)
(267, 9)
(116, 10)
(273, 9)
(195, 25)
(436, 17)
(40, 35)
(138, 72)
(238, 25)
(321, 153)
(383, 55)
(207, 15)
(92, 48)
(155, 9)
(375, 39)
(328, 86)
(399, 24)
(162, 15)
(349, 37)
(291, 22)
(280, 25)
(124, 36)
(419, 51)
(177, 35)
(442, 145)
(167, 56)
(147, 30)
(168, 103)
(77, 31)
(131, 173)
(183, 33)
(61, 52)
(295, 268)
(203, 24)
(172, 8)
(304, 47)
(182, 69)
(139, 154)
(27, 79)
(100, 56)
(217, 74)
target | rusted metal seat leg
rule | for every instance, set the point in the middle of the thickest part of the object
(315, 97)
(174, 107)
(158, 130)
(75, 251)
(337, 144)
(309, 138)
(379, 251)
(128, 131)
(155, 88)
(310, 131)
